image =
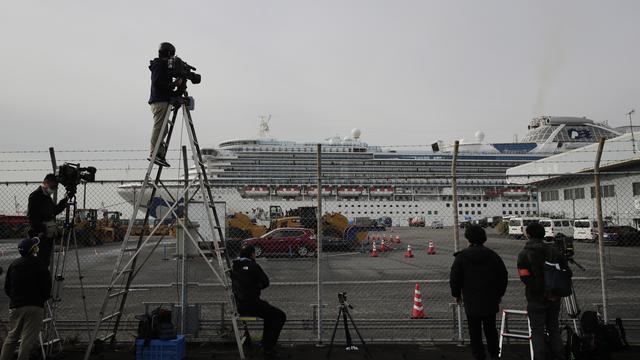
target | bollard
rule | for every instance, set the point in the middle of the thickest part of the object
(165, 257)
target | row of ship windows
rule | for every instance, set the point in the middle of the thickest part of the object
(521, 205)
(516, 212)
(468, 205)
(427, 212)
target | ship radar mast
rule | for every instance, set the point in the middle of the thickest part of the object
(263, 125)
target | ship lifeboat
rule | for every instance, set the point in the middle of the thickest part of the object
(312, 191)
(515, 192)
(348, 191)
(288, 191)
(257, 190)
(381, 191)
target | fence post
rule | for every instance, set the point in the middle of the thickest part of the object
(456, 227)
(319, 239)
(603, 278)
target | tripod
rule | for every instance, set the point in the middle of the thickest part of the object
(571, 303)
(51, 343)
(343, 311)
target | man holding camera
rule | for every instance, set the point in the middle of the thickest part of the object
(42, 212)
(248, 280)
(162, 89)
(543, 308)
(28, 286)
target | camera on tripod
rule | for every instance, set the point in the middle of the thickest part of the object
(71, 175)
(342, 298)
(181, 70)
(565, 245)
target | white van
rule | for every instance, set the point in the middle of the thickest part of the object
(554, 228)
(518, 224)
(587, 229)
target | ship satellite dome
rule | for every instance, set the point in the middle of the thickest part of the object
(479, 136)
(355, 133)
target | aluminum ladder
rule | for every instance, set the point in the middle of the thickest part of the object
(514, 334)
(126, 267)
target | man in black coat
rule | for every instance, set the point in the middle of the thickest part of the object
(28, 286)
(42, 212)
(543, 309)
(479, 278)
(248, 280)
(162, 89)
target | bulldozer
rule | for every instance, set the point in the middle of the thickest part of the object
(109, 228)
(240, 226)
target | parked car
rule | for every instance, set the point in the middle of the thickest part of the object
(417, 221)
(555, 228)
(518, 224)
(621, 236)
(437, 224)
(384, 221)
(587, 229)
(289, 241)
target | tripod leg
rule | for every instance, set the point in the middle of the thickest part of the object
(347, 333)
(333, 334)
(364, 345)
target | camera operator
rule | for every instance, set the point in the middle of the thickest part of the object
(543, 309)
(28, 286)
(42, 213)
(162, 89)
(248, 279)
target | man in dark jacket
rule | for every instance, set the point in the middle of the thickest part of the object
(42, 212)
(28, 286)
(543, 309)
(248, 280)
(479, 277)
(162, 89)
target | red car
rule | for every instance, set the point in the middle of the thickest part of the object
(289, 241)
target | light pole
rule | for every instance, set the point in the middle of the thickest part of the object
(633, 140)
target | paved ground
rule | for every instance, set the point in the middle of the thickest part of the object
(380, 289)
(378, 352)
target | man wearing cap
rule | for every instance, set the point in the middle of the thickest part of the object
(42, 212)
(28, 286)
(479, 278)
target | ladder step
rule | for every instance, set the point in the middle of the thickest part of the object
(517, 336)
(109, 317)
(51, 342)
(116, 294)
(107, 337)
(130, 250)
(46, 320)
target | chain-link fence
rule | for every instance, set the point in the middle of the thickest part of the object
(410, 225)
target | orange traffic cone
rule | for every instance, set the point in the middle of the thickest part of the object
(431, 250)
(418, 310)
(383, 246)
(397, 239)
(409, 253)
(374, 250)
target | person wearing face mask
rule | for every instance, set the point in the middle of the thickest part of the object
(42, 212)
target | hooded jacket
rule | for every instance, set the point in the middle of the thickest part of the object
(248, 280)
(161, 81)
(531, 267)
(41, 209)
(479, 275)
(28, 283)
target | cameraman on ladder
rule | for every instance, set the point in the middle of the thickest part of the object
(42, 212)
(543, 307)
(162, 89)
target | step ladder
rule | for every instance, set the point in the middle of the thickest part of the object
(505, 332)
(51, 343)
(126, 267)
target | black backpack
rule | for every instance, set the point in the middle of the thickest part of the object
(157, 325)
(593, 339)
(615, 336)
(557, 280)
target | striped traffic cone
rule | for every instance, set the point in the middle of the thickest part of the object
(431, 250)
(374, 250)
(418, 310)
(409, 253)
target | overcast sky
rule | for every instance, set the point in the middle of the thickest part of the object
(75, 73)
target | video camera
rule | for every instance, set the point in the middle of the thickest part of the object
(181, 70)
(565, 245)
(71, 175)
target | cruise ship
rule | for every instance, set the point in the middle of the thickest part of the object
(363, 180)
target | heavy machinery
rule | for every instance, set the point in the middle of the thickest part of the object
(240, 226)
(109, 228)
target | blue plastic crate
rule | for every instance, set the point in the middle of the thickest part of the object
(161, 349)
